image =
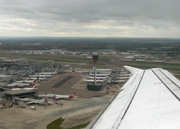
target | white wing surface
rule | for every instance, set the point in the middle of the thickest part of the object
(149, 100)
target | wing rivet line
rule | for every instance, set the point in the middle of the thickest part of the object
(174, 94)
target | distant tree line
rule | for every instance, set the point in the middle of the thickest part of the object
(88, 44)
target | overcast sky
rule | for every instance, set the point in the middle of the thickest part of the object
(90, 18)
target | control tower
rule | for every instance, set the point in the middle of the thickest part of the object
(94, 86)
(95, 60)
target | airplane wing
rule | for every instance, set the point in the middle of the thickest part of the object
(149, 100)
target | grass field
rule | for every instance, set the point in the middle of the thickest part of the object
(57, 123)
(66, 59)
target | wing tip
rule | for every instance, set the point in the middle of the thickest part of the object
(132, 70)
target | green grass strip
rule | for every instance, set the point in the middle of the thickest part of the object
(55, 124)
(80, 126)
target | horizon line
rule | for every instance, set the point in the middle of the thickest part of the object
(86, 37)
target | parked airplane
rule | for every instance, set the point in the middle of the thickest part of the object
(17, 84)
(100, 75)
(41, 79)
(33, 88)
(91, 80)
(64, 96)
(30, 82)
(150, 99)
(23, 99)
(30, 78)
(47, 73)
(21, 85)
(43, 76)
(122, 77)
(116, 81)
(56, 96)
(36, 101)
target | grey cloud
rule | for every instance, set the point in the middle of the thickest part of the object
(83, 10)
(66, 15)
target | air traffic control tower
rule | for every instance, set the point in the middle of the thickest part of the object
(94, 86)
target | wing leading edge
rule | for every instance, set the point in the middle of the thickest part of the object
(149, 100)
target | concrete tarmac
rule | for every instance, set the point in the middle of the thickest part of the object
(25, 118)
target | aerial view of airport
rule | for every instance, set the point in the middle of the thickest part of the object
(42, 83)
(89, 64)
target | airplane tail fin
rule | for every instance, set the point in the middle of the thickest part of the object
(54, 98)
(35, 87)
(32, 83)
(73, 95)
